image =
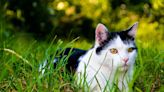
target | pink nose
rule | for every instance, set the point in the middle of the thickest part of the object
(125, 60)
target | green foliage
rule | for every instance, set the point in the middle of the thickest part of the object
(72, 18)
(19, 68)
(29, 15)
(21, 20)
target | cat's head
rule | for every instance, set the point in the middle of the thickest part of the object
(118, 48)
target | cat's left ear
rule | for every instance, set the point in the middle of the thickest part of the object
(101, 34)
(132, 30)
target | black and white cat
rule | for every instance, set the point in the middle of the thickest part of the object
(110, 62)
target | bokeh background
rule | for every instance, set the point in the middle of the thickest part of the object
(67, 19)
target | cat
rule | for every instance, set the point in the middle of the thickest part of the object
(108, 63)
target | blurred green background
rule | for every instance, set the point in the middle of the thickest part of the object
(67, 19)
(32, 30)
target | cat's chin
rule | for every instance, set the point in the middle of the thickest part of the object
(123, 68)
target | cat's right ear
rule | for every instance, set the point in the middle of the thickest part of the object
(132, 30)
(101, 34)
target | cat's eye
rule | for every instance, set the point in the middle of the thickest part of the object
(130, 49)
(114, 51)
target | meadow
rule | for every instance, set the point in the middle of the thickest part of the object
(20, 57)
(31, 31)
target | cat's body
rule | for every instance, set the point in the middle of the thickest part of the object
(110, 62)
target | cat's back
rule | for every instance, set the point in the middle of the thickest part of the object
(73, 57)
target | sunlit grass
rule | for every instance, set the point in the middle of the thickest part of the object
(17, 75)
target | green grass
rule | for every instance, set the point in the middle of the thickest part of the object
(20, 59)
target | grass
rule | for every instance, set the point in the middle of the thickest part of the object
(20, 59)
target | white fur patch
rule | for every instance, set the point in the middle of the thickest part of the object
(44, 64)
(103, 70)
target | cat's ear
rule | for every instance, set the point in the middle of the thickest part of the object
(132, 30)
(101, 34)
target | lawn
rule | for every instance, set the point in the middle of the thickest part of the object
(20, 57)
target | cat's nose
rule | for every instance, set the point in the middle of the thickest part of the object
(125, 59)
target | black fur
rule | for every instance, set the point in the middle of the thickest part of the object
(111, 35)
(73, 55)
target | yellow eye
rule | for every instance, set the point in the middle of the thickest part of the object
(114, 51)
(130, 49)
